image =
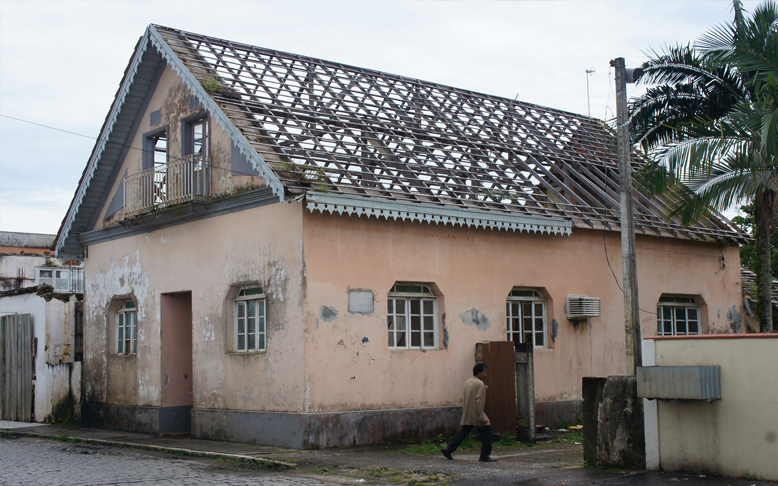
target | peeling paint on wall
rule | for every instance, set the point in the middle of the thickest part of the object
(735, 319)
(327, 313)
(476, 318)
(554, 329)
(445, 332)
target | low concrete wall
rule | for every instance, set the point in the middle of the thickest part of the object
(734, 436)
(321, 430)
(613, 423)
(554, 414)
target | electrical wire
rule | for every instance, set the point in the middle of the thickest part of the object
(605, 245)
(234, 172)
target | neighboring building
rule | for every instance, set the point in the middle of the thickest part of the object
(56, 351)
(750, 291)
(297, 252)
(34, 282)
(27, 259)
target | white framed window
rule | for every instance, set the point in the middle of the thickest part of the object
(126, 328)
(678, 315)
(412, 319)
(249, 320)
(526, 316)
(45, 276)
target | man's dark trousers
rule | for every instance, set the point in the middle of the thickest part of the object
(486, 439)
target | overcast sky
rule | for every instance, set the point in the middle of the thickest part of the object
(61, 62)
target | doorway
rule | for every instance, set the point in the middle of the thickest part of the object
(176, 363)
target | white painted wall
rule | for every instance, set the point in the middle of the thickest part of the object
(737, 435)
(650, 424)
(55, 377)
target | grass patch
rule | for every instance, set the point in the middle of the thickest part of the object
(400, 476)
(569, 438)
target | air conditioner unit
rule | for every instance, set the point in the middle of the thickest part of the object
(581, 307)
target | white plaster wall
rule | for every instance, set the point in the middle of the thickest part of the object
(9, 265)
(53, 381)
(737, 435)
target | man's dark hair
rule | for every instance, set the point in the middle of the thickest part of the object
(480, 367)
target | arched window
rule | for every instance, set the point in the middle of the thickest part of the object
(412, 319)
(126, 328)
(526, 316)
(249, 320)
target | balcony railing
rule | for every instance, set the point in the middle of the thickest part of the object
(181, 180)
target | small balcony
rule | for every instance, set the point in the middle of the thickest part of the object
(181, 180)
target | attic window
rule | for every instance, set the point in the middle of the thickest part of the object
(155, 149)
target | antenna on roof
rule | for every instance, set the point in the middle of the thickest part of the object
(589, 72)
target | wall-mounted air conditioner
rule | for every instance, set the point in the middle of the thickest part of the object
(581, 307)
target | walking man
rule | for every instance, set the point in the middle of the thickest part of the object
(473, 416)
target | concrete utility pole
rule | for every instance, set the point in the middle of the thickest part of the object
(629, 260)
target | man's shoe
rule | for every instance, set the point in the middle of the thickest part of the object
(487, 459)
(447, 454)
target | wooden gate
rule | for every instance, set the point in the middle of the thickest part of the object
(510, 393)
(16, 362)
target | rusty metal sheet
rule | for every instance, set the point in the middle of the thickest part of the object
(679, 382)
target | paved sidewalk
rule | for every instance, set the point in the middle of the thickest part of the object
(176, 444)
(549, 464)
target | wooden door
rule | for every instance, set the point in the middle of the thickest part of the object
(16, 362)
(500, 407)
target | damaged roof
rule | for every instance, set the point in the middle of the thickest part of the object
(321, 126)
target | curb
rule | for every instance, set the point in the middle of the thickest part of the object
(152, 447)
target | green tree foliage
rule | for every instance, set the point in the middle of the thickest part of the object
(749, 254)
(710, 127)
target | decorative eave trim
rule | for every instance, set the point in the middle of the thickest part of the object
(216, 112)
(429, 213)
(101, 142)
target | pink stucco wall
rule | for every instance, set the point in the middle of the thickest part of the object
(208, 258)
(476, 269)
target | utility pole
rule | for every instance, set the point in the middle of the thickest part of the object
(629, 260)
(589, 72)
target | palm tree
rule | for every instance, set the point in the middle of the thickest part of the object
(711, 127)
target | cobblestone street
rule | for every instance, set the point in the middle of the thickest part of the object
(43, 462)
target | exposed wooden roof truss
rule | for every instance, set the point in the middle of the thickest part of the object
(341, 129)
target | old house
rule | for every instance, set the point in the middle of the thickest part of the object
(27, 259)
(285, 250)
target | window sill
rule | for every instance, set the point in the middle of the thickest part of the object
(399, 350)
(247, 353)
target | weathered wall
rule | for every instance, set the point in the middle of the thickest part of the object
(174, 102)
(476, 269)
(58, 378)
(208, 258)
(737, 435)
(10, 265)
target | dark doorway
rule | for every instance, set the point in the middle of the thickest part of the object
(177, 382)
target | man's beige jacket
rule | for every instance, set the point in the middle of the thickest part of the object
(473, 407)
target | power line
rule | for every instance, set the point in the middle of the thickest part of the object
(47, 126)
(235, 172)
